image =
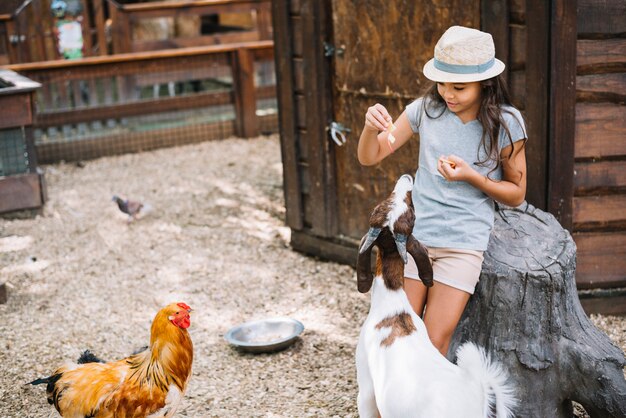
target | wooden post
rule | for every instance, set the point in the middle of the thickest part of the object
(537, 100)
(562, 111)
(494, 19)
(98, 11)
(245, 94)
(284, 63)
(12, 48)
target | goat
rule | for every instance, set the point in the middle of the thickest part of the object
(400, 373)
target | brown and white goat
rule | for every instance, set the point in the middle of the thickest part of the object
(399, 371)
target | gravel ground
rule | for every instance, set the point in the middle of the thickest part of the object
(81, 277)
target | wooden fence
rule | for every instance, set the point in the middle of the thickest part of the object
(29, 33)
(131, 102)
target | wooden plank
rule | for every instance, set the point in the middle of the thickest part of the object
(611, 304)
(599, 212)
(298, 74)
(245, 94)
(264, 21)
(283, 32)
(98, 12)
(600, 56)
(12, 50)
(29, 137)
(537, 104)
(562, 114)
(343, 251)
(20, 192)
(600, 130)
(295, 7)
(601, 259)
(186, 4)
(87, 26)
(517, 86)
(16, 110)
(38, 33)
(599, 177)
(601, 17)
(140, 56)
(517, 11)
(601, 88)
(607, 301)
(494, 19)
(297, 36)
(315, 25)
(165, 104)
(517, 60)
(217, 39)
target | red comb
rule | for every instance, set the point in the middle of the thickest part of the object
(183, 306)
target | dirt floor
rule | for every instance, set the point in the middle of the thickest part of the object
(80, 277)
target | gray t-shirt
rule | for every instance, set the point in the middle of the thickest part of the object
(454, 214)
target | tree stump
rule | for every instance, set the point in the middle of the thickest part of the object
(527, 314)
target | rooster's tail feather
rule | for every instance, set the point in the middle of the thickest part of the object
(89, 357)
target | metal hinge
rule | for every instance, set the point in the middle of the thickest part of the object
(330, 50)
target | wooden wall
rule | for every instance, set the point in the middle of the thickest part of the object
(566, 70)
(599, 189)
(300, 28)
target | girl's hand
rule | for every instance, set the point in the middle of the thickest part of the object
(453, 168)
(377, 117)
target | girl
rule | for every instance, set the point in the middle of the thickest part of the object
(471, 153)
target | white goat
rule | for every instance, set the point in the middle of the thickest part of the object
(399, 371)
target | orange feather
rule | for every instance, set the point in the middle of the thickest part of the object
(136, 386)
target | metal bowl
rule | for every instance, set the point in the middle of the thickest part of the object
(265, 335)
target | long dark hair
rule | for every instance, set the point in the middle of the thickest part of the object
(494, 97)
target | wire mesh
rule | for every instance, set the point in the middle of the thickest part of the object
(13, 154)
(128, 106)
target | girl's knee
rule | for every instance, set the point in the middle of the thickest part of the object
(441, 341)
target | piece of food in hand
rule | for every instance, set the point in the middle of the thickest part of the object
(451, 163)
(149, 383)
(390, 136)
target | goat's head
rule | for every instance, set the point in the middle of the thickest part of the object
(391, 227)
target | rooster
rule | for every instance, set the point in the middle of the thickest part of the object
(149, 383)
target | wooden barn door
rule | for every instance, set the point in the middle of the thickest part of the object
(379, 49)
(599, 187)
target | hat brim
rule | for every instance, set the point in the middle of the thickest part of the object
(440, 76)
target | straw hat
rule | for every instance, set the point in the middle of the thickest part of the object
(463, 55)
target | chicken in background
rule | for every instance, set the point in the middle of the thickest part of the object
(130, 207)
(149, 383)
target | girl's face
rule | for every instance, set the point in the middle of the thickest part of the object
(461, 98)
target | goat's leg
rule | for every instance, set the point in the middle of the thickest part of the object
(366, 399)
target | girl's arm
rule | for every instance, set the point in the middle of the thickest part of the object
(511, 191)
(374, 144)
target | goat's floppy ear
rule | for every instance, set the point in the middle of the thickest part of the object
(400, 240)
(364, 276)
(420, 255)
(368, 239)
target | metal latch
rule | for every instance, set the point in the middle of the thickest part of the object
(330, 50)
(338, 132)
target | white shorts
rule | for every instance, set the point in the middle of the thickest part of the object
(453, 267)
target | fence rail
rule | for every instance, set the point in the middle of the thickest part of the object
(137, 101)
(30, 32)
